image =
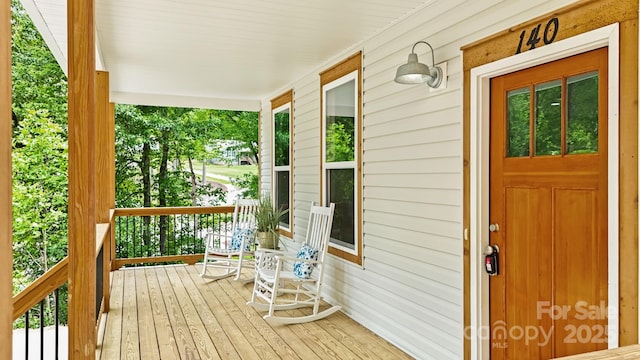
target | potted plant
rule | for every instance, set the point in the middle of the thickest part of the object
(268, 222)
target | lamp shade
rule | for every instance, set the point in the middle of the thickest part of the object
(413, 72)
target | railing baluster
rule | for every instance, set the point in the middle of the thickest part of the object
(26, 335)
(140, 236)
(209, 222)
(174, 237)
(180, 236)
(193, 234)
(42, 329)
(99, 272)
(135, 236)
(129, 253)
(117, 232)
(156, 227)
(156, 239)
(57, 316)
(177, 235)
(153, 243)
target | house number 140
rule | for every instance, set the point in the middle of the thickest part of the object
(550, 32)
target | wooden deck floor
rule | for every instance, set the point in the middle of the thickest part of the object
(171, 313)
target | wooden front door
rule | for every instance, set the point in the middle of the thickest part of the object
(548, 198)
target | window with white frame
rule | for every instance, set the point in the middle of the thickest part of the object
(341, 159)
(282, 121)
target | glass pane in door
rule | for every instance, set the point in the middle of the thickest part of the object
(518, 113)
(582, 113)
(548, 117)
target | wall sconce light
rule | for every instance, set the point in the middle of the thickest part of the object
(414, 72)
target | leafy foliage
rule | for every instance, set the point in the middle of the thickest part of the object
(341, 147)
(518, 109)
(282, 138)
(236, 125)
(340, 139)
(39, 90)
(164, 141)
(249, 183)
(582, 117)
(39, 157)
(38, 81)
(267, 216)
(40, 195)
(548, 118)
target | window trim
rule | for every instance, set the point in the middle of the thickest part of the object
(279, 103)
(347, 70)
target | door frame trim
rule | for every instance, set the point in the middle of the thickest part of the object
(479, 171)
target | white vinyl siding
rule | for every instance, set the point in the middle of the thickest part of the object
(266, 148)
(409, 289)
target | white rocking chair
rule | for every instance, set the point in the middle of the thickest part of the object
(286, 283)
(229, 249)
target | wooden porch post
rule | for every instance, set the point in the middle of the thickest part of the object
(105, 166)
(6, 252)
(82, 204)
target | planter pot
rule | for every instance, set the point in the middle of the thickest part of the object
(268, 240)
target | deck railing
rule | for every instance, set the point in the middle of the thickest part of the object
(133, 236)
(165, 235)
(35, 301)
(47, 295)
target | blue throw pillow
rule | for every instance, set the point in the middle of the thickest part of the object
(303, 269)
(237, 236)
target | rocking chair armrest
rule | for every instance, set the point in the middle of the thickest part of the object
(295, 259)
(271, 252)
(219, 234)
(222, 238)
(264, 254)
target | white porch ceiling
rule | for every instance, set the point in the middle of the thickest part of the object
(217, 53)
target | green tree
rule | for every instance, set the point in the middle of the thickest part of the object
(237, 125)
(39, 202)
(40, 194)
(518, 113)
(39, 152)
(165, 141)
(340, 141)
(38, 80)
(248, 183)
